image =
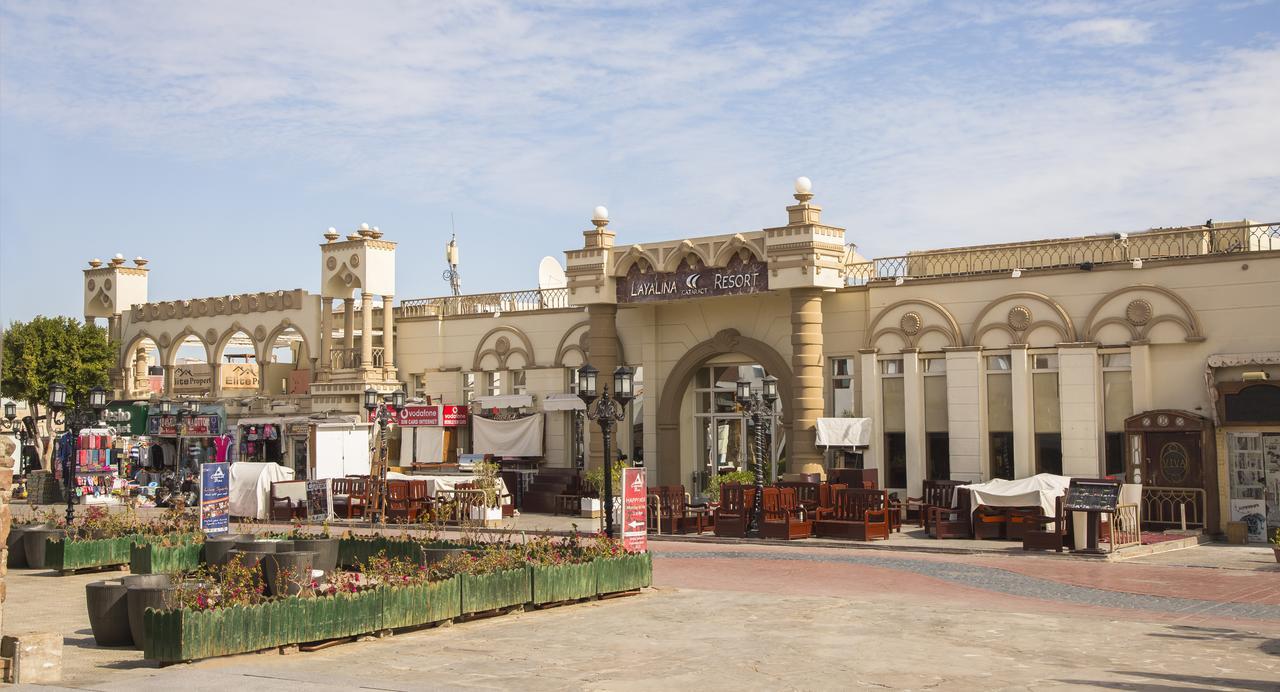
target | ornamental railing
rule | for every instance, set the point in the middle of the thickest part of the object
(1169, 508)
(342, 358)
(1124, 528)
(485, 303)
(1084, 252)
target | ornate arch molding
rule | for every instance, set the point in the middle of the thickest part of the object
(268, 344)
(126, 355)
(678, 254)
(634, 255)
(911, 326)
(169, 351)
(735, 245)
(502, 348)
(1020, 321)
(236, 328)
(1140, 317)
(681, 374)
(564, 348)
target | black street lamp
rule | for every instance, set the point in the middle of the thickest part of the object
(606, 410)
(758, 407)
(382, 409)
(73, 422)
(19, 430)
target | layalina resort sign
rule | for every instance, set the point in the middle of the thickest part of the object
(738, 278)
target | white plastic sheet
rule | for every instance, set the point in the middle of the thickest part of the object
(1039, 490)
(250, 491)
(844, 432)
(508, 438)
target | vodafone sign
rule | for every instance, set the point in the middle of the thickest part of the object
(437, 415)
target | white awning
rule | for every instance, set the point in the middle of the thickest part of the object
(505, 401)
(844, 432)
(562, 401)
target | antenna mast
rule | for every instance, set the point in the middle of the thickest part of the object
(451, 258)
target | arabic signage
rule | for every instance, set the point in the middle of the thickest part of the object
(199, 426)
(635, 506)
(432, 415)
(199, 377)
(738, 278)
(215, 486)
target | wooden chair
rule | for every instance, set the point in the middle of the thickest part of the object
(954, 522)
(357, 496)
(989, 522)
(858, 513)
(935, 494)
(733, 517)
(673, 511)
(783, 516)
(421, 505)
(1049, 533)
(809, 495)
(397, 501)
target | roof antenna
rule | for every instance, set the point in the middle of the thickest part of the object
(451, 258)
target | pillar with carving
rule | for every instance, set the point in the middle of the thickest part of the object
(806, 366)
(602, 353)
(366, 330)
(325, 361)
(388, 337)
(348, 331)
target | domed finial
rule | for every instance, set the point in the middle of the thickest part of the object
(365, 231)
(331, 234)
(95, 263)
(804, 189)
(117, 260)
(140, 261)
(364, 226)
(375, 233)
(600, 216)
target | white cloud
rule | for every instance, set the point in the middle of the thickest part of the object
(1102, 31)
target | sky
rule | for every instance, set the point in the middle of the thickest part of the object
(220, 140)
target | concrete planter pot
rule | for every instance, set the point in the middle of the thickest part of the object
(589, 507)
(326, 550)
(485, 592)
(288, 574)
(555, 583)
(218, 547)
(17, 550)
(108, 604)
(270, 545)
(35, 540)
(146, 591)
(625, 573)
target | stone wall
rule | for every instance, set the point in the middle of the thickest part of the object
(8, 449)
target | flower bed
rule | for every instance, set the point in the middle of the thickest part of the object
(623, 573)
(185, 554)
(354, 551)
(567, 582)
(72, 554)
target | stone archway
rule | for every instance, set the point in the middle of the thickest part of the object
(677, 381)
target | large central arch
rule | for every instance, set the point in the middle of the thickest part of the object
(681, 374)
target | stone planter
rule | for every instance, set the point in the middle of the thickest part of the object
(146, 591)
(17, 550)
(555, 583)
(487, 516)
(625, 573)
(485, 592)
(326, 550)
(270, 545)
(108, 604)
(34, 541)
(288, 574)
(438, 552)
(218, 547)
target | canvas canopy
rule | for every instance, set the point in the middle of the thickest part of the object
(508, 438)
(421, 444)
(250, 492)
(844, 432)
(562, 401)
(1039, 490)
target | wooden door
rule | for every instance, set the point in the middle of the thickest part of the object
(1173, 460)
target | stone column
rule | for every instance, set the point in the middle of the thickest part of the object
(141, 378)
(388, 336)
(366, 330)
(602, 343)
(1024, 450)
(348, 329)
(869, 376)
(966, 408)
(806, 366)
(113, 328)
(1140, 374)
(168, 380)
(325, 360)
(913, 404)
(215, 382)
(1079, 384)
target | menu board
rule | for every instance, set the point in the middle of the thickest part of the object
(1086, 495)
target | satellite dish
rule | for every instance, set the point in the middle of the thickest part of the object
(550, 274)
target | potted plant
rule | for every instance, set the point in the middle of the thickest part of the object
(490, 512)
(594, 482)
(324, 546)
(1275, 544)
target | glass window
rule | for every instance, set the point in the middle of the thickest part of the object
(468, 387)
(895, 417)
(841, 388)
(1000, 403)
(891, 367)
(493, 383)
(418, 385)
(1115, 453)
(517, 382)
(935, 404)
(1117, 398)
(573, 380)
(999, 364)
(935, 366)
(1044, 361)
(1116, 360)
(1002, 455)
(938, 456)
(1046, 405)
(895, 450)
(1049, 453)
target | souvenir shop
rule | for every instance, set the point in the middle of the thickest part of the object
(1249, 412)
(94, 463)
(278, 439)
(186, 441)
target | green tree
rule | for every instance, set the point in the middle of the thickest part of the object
(53, 349)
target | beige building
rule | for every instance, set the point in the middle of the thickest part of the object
(1120, 354)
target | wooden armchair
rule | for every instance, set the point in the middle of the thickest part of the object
(357, 496)
(674, 515)
(951, 522)
(397, 501)
(783, 516)
(421, 504)
(733, 517)
(1049, 533)
(935, 494)
(808, 495)
(857, 513)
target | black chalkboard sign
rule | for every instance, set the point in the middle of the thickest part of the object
(1090, 495)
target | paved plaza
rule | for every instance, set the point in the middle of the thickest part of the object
(771, 617)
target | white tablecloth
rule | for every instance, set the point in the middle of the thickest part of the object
(437, 483)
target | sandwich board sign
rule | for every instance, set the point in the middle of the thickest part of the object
(635, 505)
(215, 487)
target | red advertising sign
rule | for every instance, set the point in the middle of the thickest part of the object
(635, 508)
(433, 415)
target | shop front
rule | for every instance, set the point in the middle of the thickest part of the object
(282, 440)
(186, 440)
(1250, 415)
(428, 435)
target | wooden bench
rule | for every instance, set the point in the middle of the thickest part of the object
(783, 516)
(860, 514)
(954, 522)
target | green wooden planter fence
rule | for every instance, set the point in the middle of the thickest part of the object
(66, 555)
(626, 573)
(556, 583)
(485, 592)
(153, 558)
(353, 552)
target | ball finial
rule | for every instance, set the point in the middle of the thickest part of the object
(600, 213)
(364, 226)
(804, 189)
(331, 234)
(95, 263)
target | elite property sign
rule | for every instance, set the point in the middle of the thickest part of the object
(738, 278)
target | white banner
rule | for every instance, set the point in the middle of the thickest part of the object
(508, 438)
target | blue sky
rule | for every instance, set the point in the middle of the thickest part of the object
(220, 139)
